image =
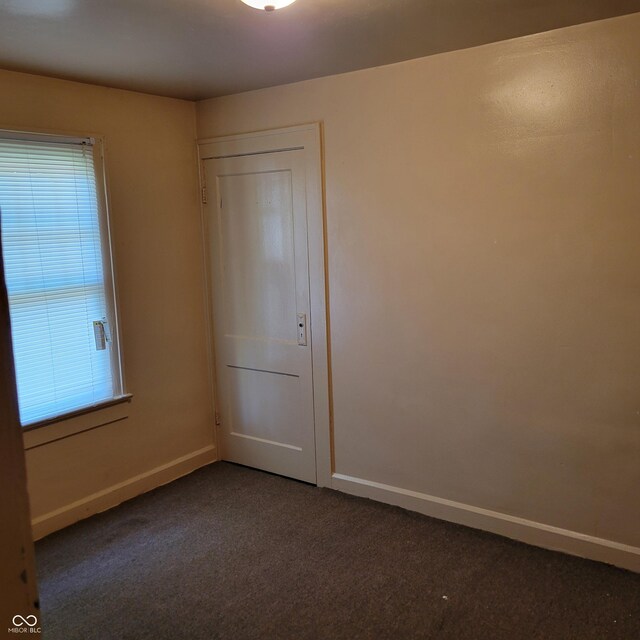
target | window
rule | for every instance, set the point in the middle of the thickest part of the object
(55, 238)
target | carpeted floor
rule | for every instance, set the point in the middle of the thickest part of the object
(233, 553)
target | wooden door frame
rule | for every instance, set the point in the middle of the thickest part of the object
(17, 559)
(306, 138)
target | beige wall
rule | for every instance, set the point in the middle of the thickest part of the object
(150, 157)
(483, 237)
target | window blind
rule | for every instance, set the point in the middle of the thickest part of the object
(55, 278)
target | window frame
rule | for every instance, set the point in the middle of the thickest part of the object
(89, 416)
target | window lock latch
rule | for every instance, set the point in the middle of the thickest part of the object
(101, 334)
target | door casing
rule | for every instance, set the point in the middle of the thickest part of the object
(308, 139)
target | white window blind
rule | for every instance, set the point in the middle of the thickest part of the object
(54, 268)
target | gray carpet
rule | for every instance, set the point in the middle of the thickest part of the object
(233, 553)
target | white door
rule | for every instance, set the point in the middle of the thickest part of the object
(257, 222)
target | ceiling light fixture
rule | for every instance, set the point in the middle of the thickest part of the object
(268, 5)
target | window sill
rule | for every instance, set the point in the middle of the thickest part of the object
(69, 424)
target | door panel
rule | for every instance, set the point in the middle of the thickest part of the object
(257, 243)
(258, 235)
(264, 405)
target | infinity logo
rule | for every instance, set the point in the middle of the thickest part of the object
(18, 621)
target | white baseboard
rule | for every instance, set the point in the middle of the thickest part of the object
(535, 533)
(117, 493)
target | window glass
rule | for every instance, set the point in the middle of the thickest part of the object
(60, 302)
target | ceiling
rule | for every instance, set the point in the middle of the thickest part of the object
(202, 48)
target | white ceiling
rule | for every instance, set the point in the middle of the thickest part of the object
(202, 48)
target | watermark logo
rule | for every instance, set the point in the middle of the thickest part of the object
(24, 625)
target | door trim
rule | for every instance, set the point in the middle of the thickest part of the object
(308, 139)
